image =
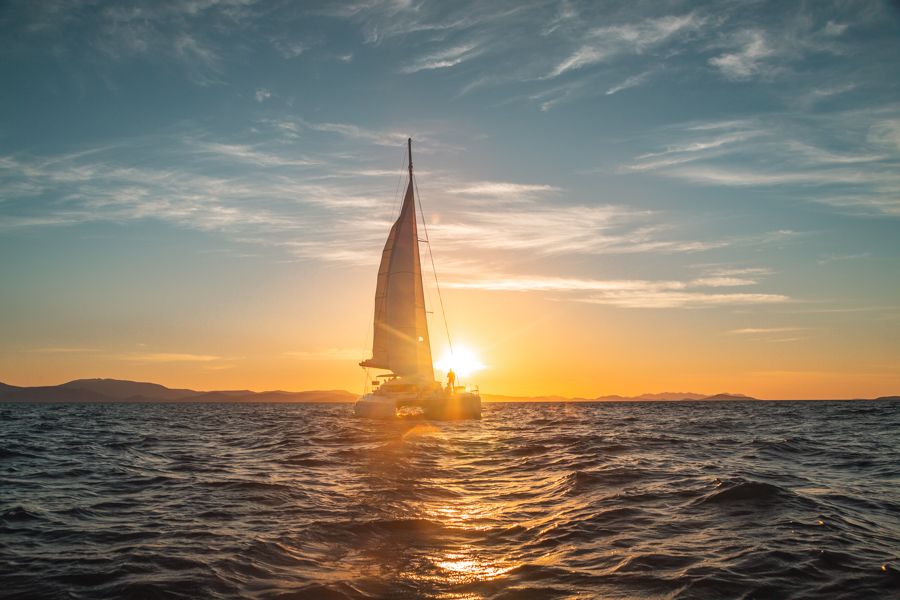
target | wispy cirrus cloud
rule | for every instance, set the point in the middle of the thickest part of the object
(382, 21)
(630, 82)
(328, 354)
(764, 330)
(106, 190)
(723, 281)
(308, 207)
(444, 59)
(551, 230)
(252, 154)
(603, 43)
(170, 357)
(63, 350)
(624, 293)
(170, 32)
(702, 147)
(684, 299)
(503, 189)
(749, 60)
(560, 94)
(849, 158)
(355, 132)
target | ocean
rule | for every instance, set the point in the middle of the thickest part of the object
(606, 500)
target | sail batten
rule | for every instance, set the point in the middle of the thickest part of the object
(400, 342)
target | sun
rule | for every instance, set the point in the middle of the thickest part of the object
(462, 360)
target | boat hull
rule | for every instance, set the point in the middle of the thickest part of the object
(438, 406)
(373, 406)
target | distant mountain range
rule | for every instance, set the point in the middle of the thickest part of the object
(660, 397)
(116, 390)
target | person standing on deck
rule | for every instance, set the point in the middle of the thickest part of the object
(451, 379)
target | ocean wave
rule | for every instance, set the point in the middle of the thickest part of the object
(675, 500)
(739, 490)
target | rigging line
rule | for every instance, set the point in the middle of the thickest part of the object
(433, 269)
(366, 381)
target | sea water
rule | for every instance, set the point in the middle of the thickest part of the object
(624, 500)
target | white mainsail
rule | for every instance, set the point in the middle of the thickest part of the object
(400, 343)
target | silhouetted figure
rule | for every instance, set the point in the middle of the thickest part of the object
(451, 379)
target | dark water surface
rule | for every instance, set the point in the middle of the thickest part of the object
(632, 500)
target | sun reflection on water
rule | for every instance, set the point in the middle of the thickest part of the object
(467, 567)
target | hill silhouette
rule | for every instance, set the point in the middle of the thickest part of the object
(656, 397)
(117, 390)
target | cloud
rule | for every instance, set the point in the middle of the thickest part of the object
(327, 354)
(603, 43)
(554, 230)
(819, 94)
(262, 94)
(562, 284)
(745, 178)
(722, 281)
(633, 81)
(90, 37)
(355, 132)
(629, 293)
(63, 350)
(561, 93)
(250, 154)
(584, 56)
(886, 133)
(830, 258)
(843, 159)
(566, 15)
(382, 21)
(684, 299)
(194, 51)
(102, 190)
(739, 271)
(763, 330)
(697, 149)
(833, 28)
(289, 49)
(704, 144)
(503, 189)
(748, 60)
(165, 357)
(443, 59)
(316, 217)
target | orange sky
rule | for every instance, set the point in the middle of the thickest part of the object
(530, 345)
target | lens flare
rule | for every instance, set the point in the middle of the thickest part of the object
(462, 360)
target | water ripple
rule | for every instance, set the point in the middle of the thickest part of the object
(674, 500)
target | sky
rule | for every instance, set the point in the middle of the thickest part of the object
(621, 197)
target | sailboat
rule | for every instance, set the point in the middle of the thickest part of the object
(400, 343)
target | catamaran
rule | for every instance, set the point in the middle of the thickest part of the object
(400, 343)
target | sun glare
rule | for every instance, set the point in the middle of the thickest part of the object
(462, 360)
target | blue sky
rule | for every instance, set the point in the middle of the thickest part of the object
(197, 187)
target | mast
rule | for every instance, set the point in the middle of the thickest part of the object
(409, 148)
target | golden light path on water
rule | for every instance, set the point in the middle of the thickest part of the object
(454, 506)
(480, 506)
(463, 563)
